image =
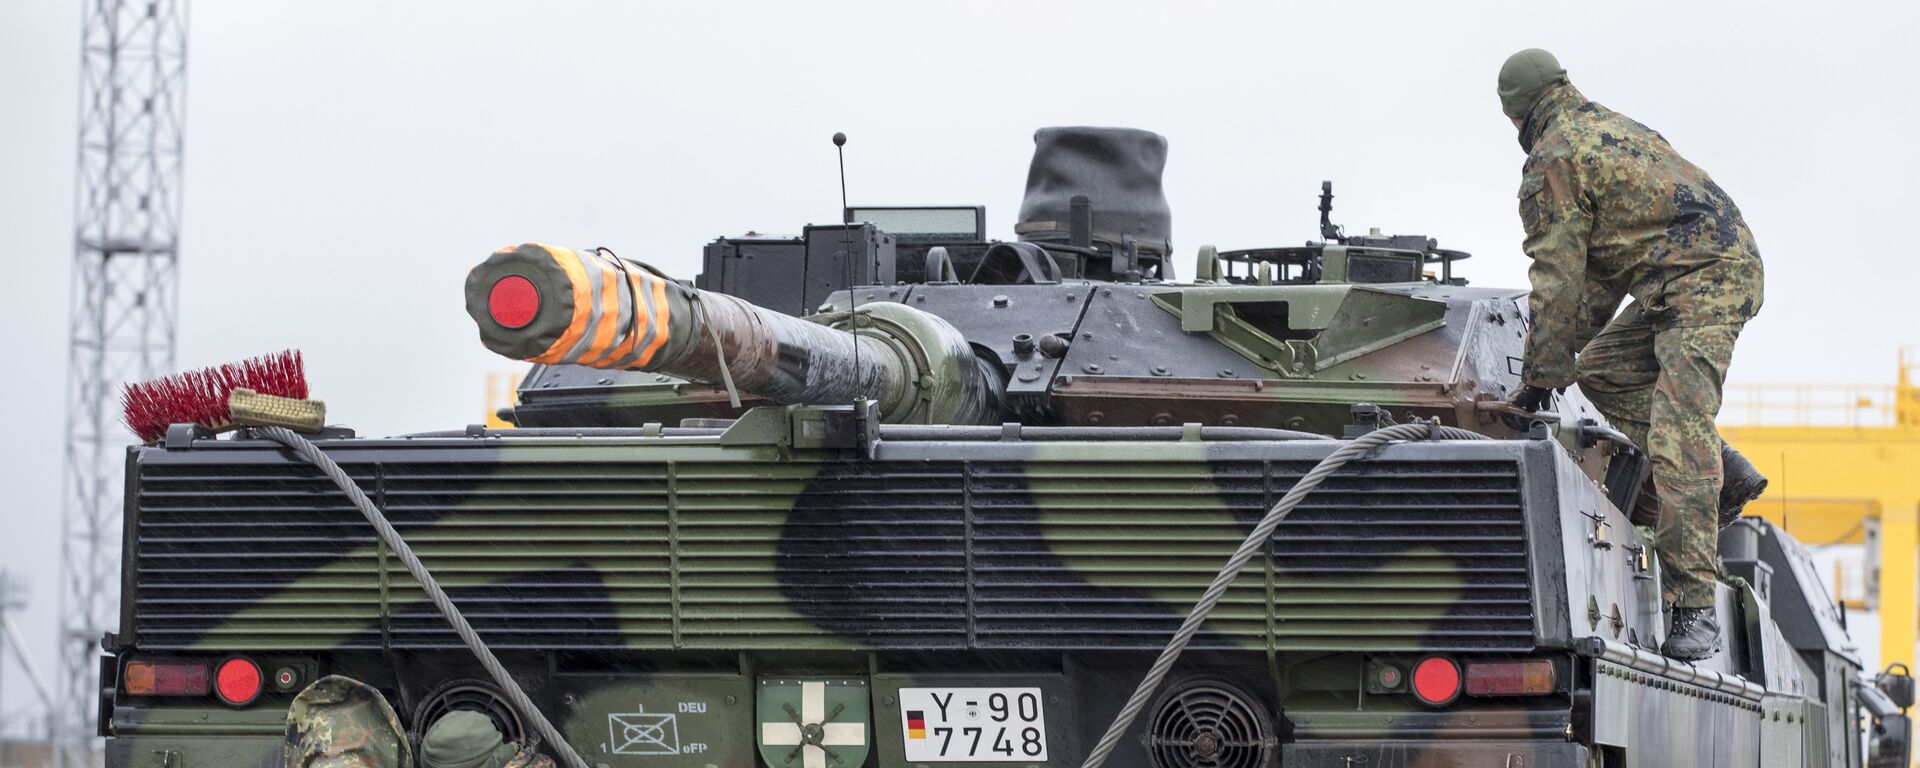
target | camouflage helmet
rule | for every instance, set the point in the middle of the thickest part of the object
(465, 739)
(339, 722)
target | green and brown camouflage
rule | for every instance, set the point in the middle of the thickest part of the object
(524, 759)
(339, 722)
(1662, 389)
(680, 582)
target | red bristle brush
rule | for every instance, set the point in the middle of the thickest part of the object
(270, 390)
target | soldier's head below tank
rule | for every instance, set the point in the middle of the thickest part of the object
(1525, 79)
(464, 739)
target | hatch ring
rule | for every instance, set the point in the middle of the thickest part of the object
(471, 695)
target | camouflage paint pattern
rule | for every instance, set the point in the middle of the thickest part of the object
(338, 722)
(736, 545)
(1075, 544)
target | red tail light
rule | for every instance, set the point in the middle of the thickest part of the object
(1436, 681)
(238, 681)
(1530, 677)
(165, 678)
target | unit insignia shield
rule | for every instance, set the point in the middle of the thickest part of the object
(813, 722)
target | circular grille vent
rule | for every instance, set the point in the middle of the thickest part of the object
(473, 695)
(1209, 725)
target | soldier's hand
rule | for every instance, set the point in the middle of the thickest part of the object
(1526, 401)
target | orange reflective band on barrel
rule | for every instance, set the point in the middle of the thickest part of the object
(641, 323)
(610, 317)
(621, 353)
(582, 304)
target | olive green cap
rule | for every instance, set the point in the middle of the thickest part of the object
(464, 739)
(1526, 77)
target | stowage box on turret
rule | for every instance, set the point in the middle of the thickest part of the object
(890, 493)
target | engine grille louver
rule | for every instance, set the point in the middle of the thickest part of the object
(551, 551)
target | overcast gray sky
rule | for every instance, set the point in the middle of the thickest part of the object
(347, 161)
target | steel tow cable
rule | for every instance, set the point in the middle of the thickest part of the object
(1354, 449)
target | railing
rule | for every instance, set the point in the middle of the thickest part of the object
(1859, 406)
(1812, 405)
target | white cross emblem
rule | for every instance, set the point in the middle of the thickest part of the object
(813, 709)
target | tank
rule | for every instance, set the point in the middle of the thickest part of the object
(891, 493)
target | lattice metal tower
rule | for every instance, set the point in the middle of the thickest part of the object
(13, 599)
(127, 229)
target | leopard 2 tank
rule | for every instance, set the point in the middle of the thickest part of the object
(891, 493)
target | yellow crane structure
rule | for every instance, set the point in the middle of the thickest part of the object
(1844, 465)
(503, 389)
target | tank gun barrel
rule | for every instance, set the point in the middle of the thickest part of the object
(552, 305)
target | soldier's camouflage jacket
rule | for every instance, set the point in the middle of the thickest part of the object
(1611, 210)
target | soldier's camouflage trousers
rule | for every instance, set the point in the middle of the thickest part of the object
(1662, 388)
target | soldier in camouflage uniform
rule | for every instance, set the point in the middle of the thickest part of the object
(464, 739)
(1612, 211)
(339, 722)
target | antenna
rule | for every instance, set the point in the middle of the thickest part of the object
(840, 148)
(846, 250)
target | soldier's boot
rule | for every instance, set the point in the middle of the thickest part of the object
(1739, 483)
(1693, 635)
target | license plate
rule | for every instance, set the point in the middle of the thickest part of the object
(973, 725)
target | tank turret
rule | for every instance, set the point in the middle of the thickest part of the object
(1079, 322)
